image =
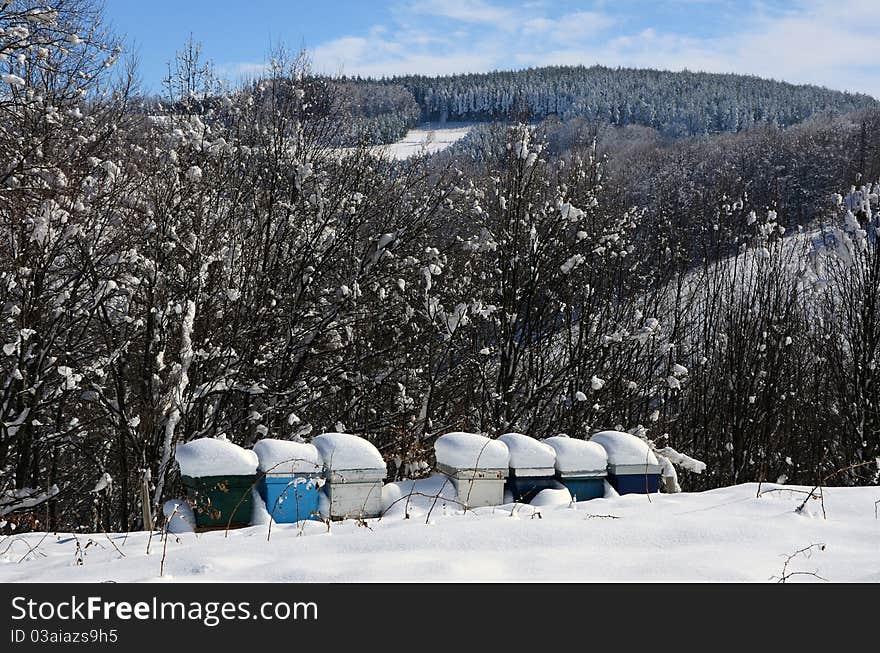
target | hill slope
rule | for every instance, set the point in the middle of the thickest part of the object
(675, 103)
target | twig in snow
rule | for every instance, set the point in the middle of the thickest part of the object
(31, 549)
(165, 543)
(783, 489)
(434, 503)
(79, 554)
(822, 481)
(149, 540)
(110, 539)
(520, 506)
(413, 493)
(807, 552)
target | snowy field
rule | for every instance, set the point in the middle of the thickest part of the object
(428, 138)
(721, 535)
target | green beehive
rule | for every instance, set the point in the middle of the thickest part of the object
(218, 476)
(220, 500)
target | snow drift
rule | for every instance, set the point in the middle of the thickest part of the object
(471, 451)
(625, 448)
(729, 534)
(574, 455)
(215, 457)
(347, 451)
(287, 457)
(528, 454)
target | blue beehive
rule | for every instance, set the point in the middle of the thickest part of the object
(291, 479)
(637, 479)
(525, 488)
(581, 466)
(291, 499)
(531, 467)
(632, 466)
(584, 487)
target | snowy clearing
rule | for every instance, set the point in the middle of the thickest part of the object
(428, 138)
(721, 535)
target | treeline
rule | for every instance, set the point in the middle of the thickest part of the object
(379, 113)
(674, 103)
(214, 265)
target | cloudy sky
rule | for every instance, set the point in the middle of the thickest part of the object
(835, 43)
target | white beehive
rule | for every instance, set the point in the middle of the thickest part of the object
(354, 470)
(476, 465)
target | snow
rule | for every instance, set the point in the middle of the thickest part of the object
(683, 460)
(347, 451)
(105, 482)
(527, 453)
(194, 174)
(179, 516)
(550, 497)
(471, 451)
(575, 455)
(173, 406)
(417, 498)
(728, 534)
(385, 240)
(12, 80)
(625, 448)
(24, 499)
(215, 457)
(260, 515)
(288, 457)
(428, 138)
(572, 263)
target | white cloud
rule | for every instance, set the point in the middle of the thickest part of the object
(241, 70)
(374, 58)
(467, 11)
(568, 28)
(828, 42)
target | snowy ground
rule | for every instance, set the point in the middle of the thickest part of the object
(720, 535)
(428, 138)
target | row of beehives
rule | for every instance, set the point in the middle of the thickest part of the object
(483, 470)
(340, 475)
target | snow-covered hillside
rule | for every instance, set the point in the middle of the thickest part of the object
(722, 535)
(428, 138)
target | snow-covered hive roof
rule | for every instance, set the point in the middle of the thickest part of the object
(625, 448)
(528, 453)
(346, 451)
(574, 455)
(215, 457)
(471, 451)
(287, 457)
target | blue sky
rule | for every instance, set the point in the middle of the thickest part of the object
(834, 43)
